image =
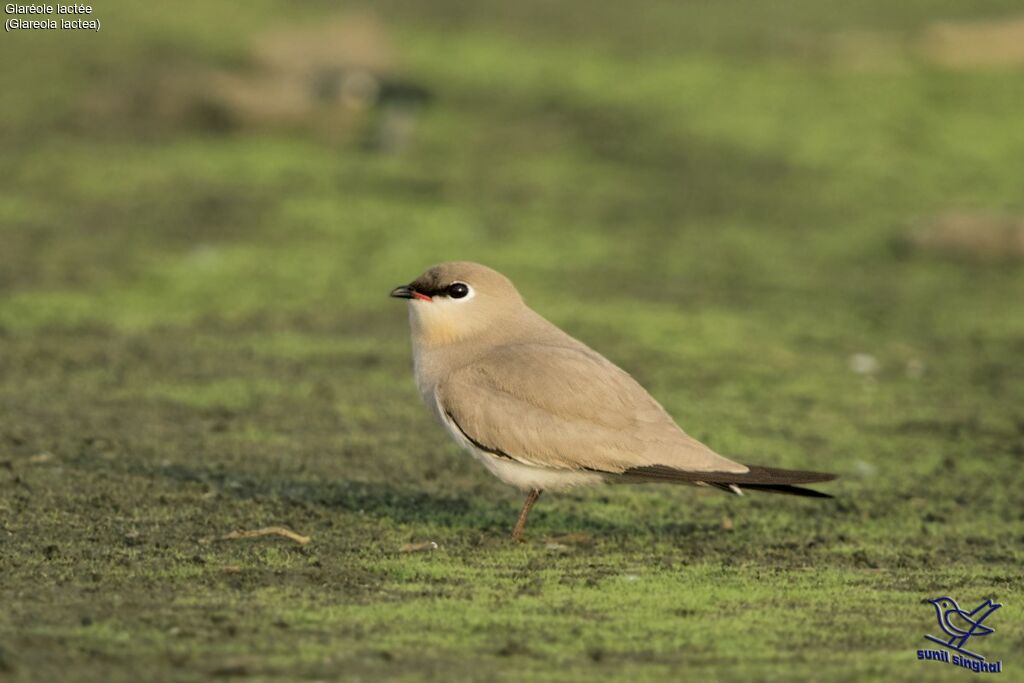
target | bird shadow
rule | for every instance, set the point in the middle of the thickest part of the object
(399, 503)
(488, 509)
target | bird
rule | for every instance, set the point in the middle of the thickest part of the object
(541, 410)
(961, 625)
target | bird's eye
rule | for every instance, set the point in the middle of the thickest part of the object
(458, 290)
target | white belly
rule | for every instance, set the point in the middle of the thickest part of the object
(528, 477)
(522, 476)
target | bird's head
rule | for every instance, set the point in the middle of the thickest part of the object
(458, 300)
(942, 604)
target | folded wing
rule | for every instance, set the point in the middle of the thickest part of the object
(569, 408)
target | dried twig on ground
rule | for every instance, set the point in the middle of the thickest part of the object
(418, 547)
(267, 531)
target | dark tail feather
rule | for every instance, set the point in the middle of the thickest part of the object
(737, 490)
(728, 488)
(757, 478)
(787, 489)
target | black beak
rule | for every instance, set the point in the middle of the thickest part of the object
(403, 292)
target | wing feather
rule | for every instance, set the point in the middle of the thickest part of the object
(568, 408)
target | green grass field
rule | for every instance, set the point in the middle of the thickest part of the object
(195, 338)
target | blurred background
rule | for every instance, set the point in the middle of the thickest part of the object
(723, 196)
(799, 224)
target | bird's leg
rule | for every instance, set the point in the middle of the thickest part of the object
(531, 498)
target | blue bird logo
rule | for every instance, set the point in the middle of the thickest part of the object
(961, 625)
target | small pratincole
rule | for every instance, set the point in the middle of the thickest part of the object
(543, 411)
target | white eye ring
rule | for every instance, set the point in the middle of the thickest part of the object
(459, 291)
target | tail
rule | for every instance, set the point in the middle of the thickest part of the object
(756, 478)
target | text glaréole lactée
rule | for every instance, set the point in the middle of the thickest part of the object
(38, 17)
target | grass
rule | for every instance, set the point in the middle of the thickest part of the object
(195, 338)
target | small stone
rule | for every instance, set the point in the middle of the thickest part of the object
(863, 364)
